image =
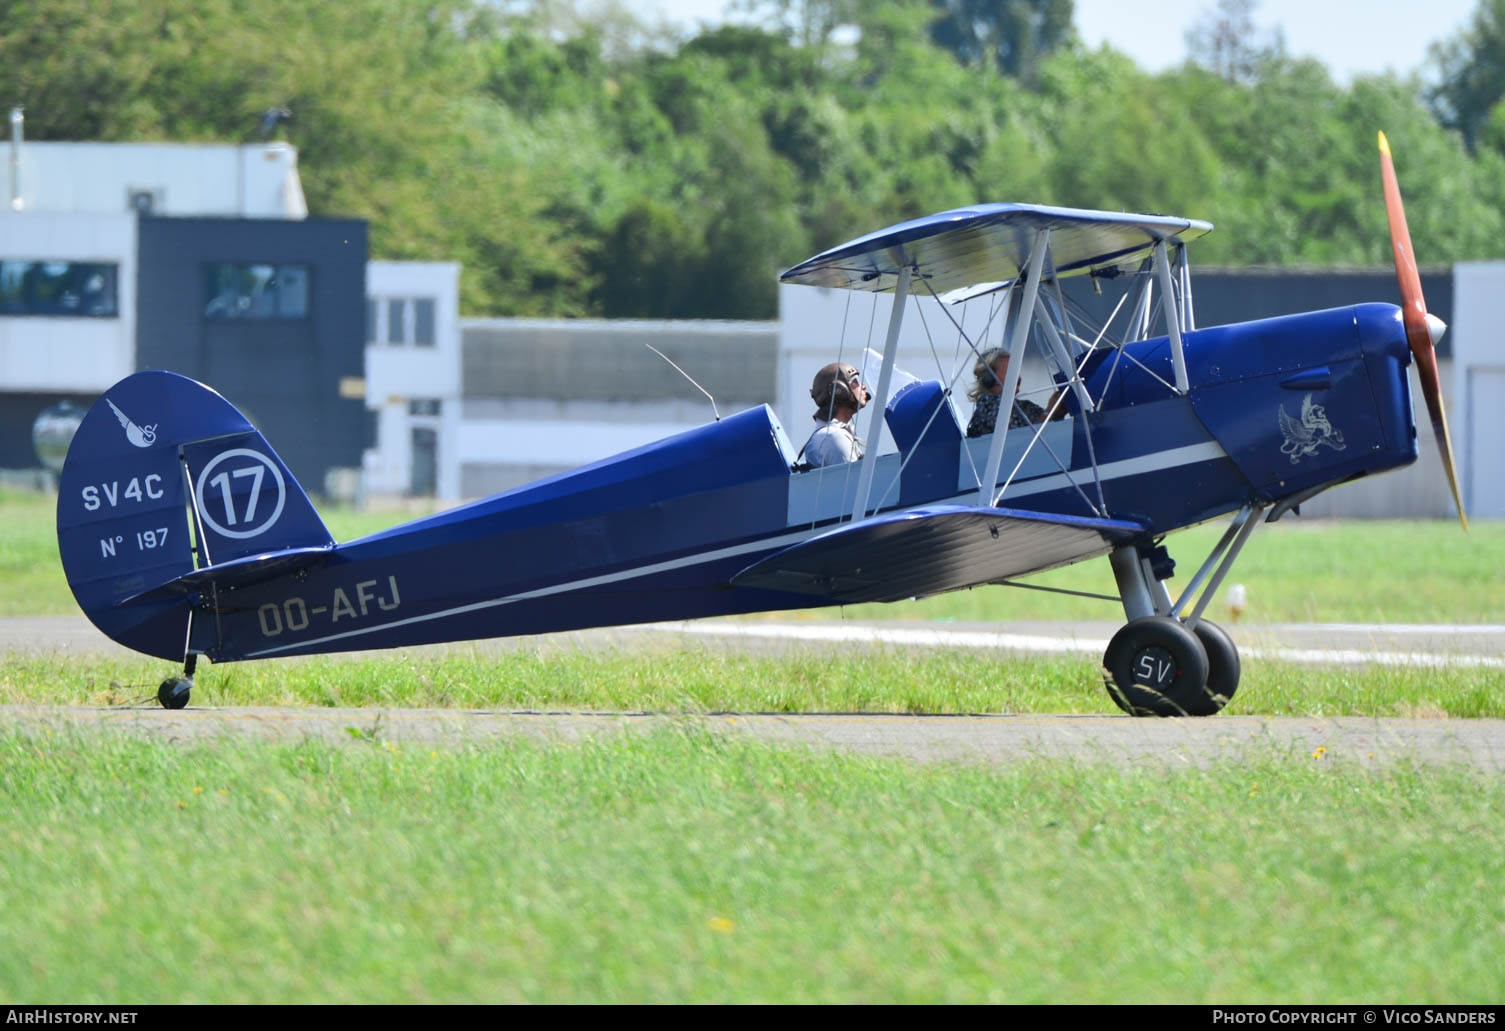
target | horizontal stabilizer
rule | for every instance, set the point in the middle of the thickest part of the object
(237, 573)
(931, 550)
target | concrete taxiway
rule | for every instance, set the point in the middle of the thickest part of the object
(1118, 739)
(981, 738)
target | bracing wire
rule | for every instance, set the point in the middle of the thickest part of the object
(946, 393)
(1040, 438)
(975, 344)
(981, 487)
(1002, 305)
(949, 384)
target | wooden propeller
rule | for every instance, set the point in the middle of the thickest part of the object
(1422, 330)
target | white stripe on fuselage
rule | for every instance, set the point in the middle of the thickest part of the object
(1153, 462)
(765, 544)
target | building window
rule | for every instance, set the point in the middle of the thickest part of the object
(423, 322)
(408, 321)
(396, 331)
(240, 290)
(78, 289)
(424, 406)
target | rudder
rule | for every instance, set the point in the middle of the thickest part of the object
(150, 444)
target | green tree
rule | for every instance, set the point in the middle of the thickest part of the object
(1298, 173)
(1122, 140)
(648, 264)
(1012, 35)
(1471, 67)
(580, 166)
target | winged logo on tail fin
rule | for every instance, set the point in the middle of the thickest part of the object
(1314, 430)
(141, 436)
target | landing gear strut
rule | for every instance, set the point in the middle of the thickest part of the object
(1163, 663)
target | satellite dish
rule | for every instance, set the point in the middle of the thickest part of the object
(53, 432)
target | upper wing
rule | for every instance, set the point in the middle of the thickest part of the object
(990, 243)
(927, 551)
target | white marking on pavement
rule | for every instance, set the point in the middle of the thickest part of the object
(932, 638)
(1396, 628)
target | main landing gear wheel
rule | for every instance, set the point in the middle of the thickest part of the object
(173, 694)
(1156, 667)
(1222, 669)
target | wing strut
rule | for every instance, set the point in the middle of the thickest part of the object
(880, 403)
(1022, 324)
(1144, 302)
(1172, 323)
(1063, 358)
(1188, 313)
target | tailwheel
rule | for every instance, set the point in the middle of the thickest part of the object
(1155, 666)
(173, 694)
(1222, 669)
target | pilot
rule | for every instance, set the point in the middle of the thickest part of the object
(839, 394)
(991, 373)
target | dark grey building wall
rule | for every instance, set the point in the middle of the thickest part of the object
(595, 361)
(284, 374)
(1223, 295)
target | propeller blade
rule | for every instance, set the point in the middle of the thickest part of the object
(1418, 324)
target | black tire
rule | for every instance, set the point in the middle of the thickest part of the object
(1223, 669)
(173, 694)
(1154, 666)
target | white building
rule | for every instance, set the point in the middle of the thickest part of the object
(193, 258)
(413, 378)
(82, 268)
(253, 180)
(68, 243)
(1476, 406)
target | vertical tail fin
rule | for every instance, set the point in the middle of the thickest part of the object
(164, 477)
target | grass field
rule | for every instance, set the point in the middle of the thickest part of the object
(1353, 571)
(680, 866)
(683, 867)
(695, 677)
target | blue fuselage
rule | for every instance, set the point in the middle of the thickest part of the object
(1277, 408)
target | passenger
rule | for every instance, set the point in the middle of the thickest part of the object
(992, 372)
(839, 395)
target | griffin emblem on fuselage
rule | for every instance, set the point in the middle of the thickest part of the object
(1304, 437)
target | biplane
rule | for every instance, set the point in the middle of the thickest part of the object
(183, 535)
